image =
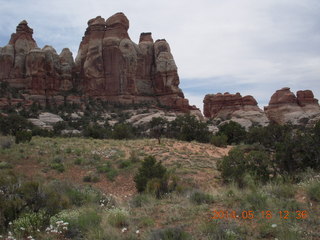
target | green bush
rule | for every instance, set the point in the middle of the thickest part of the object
(23, 136)
(22, 199)
(97, 131)
(219, 140)
(234, 131)
(79, 221)
(123, 131)
(150, 169)
(58, 167)
(188, 128)
(13, 123)
(238, 163)
(201, 198)
(29, 223)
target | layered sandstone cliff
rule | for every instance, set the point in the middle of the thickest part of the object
(286, 107)
(109, 66)
(243, 110)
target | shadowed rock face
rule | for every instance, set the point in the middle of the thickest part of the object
(286, 107)
(108, 66)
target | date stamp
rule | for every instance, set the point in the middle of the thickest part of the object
(249, 214)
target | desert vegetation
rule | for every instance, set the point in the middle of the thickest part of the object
(179, 182)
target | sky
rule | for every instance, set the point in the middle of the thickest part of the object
(249, 46)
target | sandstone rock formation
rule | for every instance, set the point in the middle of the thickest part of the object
(286, 107)
(226, 107)
(109, 66)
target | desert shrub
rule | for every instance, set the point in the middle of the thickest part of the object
(268, 136)
(221, 229)
(59, 126)
(284, 190)
(219, 140)
(97, 131)
(29, 223)
(23, 136)
(254, 200)
(201, 198)
(5, 165)
(238, 163)
(188, 128)
(104, 168)
(157, 186)
(107, 168)
(123, 131)
(79, 161)
(36, 131)
(234, 132)
(158, 127)
(150, 169)
(57, 166)
(111, 174)
(173, 233)
(91, 177)
(313, 191)
(79, 221)
(139, 200)
(23, 198)
(146, 222)
(79, 197)
(134, 158)
(13, 123)
(118, 217)
(125, 164)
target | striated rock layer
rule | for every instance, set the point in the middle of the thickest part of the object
(109, 66)
(243, 110)
(286, 107)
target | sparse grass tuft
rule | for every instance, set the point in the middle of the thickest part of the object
(313, 191)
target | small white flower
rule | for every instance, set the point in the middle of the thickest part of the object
(66, 223)
(65, 228)
(22, 228)
(10, 223)
(274, 225)
(124, 229)
(137, 232)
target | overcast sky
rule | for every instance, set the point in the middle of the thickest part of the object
(249, 46)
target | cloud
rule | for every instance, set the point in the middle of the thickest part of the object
(248, 46)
